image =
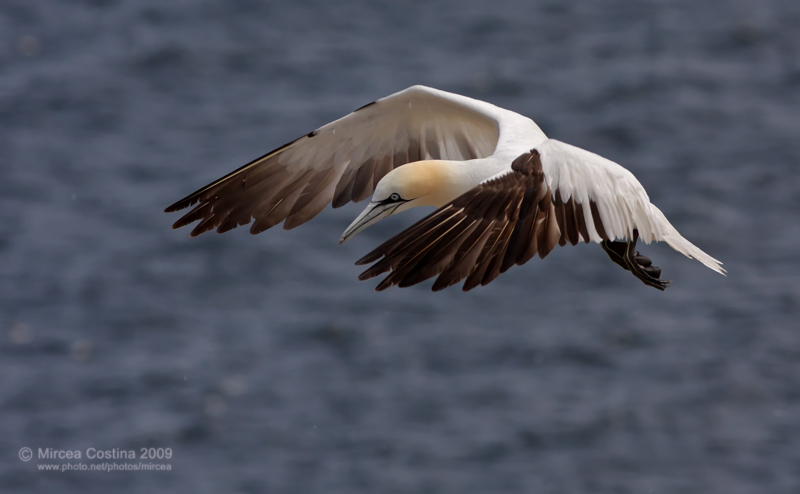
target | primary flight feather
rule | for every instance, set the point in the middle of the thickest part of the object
(504, 191)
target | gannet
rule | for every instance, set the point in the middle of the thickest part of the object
(503, 190)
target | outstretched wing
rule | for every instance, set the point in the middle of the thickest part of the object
(501, 222)
(344, 160)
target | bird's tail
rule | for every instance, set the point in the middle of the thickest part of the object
(676, 241)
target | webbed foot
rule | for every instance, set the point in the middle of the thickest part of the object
(624, 254)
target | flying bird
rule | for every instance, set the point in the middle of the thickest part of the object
(503, 190)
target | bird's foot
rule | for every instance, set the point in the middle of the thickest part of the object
(625, 255)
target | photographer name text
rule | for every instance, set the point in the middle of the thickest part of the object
(105, 454)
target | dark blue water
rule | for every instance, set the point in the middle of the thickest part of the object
(267, 367)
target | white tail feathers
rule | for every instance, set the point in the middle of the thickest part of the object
(677, 242)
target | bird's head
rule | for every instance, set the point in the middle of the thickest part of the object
(421, 183)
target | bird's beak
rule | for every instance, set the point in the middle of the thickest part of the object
(372, 214)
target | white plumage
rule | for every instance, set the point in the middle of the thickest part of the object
(623, 203)
(456, 151)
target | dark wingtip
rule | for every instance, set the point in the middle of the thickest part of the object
(182, 222)
(386, 283)
(182, 204)
(175, 207)
(369, 258)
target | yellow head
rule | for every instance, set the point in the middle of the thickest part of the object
(421, 183)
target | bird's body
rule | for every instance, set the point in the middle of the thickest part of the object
(504, 190)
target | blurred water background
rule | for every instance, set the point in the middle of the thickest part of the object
(267, 367)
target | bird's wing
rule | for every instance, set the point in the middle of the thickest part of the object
(344, 160)
(505, 220)
(617, 202)
(552, 195)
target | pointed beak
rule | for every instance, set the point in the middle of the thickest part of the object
(372, 214)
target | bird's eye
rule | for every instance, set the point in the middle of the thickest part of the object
(395, 197)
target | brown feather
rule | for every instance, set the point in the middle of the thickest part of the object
(559, 214)
(413, 151)
(579, 215)
(388, 247)
(311, 202)
(465, 258)
(260, 190)
(495, 257)
(405, 248)
(549, 234)
(277, 205)
(520, 234)
(195, 214)
(344, 189)
(476, 276)
(209, 223)
(570, 222)
(319, 181)
(362, 188)
(434, 261)
(254, 190)
(195, 196)
(482, 233)
(598, 223)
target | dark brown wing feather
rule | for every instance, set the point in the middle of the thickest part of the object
(482, 233)
(297, 181)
